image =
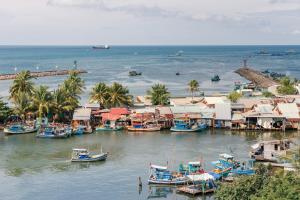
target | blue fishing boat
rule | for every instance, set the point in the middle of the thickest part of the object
(54, 132)
(187, 125)
(81, 129)
(226, 161)
(161, 175)
(106, 127)
(19, 129)
(83, 155)
(244, 169)
(191, 168)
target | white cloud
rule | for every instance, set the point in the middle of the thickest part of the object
(296, 32)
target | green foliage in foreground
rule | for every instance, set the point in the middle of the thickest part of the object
(286, 87)
(234, 96)
(262, 186)
(5, 111)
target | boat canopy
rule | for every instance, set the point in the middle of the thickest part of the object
(159, 167)
(226, 156)
(200, 177)
(198, 163)
(80, 150)
(255, 146)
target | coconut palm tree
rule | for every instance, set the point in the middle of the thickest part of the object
(22, 103)
(193, 87)
(41, 100)
(100, 94)
(60, 103)
(23, 84)
(5, 111)
(119, 95)
(159, 94)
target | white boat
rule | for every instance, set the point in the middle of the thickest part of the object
(162, 176)
(83, 155)
(19, 129)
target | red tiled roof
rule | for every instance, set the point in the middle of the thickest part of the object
(119, 111)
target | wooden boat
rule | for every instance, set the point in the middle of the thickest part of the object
(191, 168)
(83, 155)
(244, 169)
(161, 175)
(270, 150)
(54, 132)
(226, 161)
(187, 125)
(19, 129)
(144, 129)
(109, 128)
(135, 73)
(215, 78)
(199, 184)
(79, 130)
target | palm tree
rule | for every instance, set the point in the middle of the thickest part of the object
(193, 87)
(159, 94)
(22, 104)
(100, 94)
(119, 95)
(41, 100)
(60, 103)
(23, 84)
(5, 111)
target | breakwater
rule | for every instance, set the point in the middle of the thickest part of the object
(41, 74)
(256, 77)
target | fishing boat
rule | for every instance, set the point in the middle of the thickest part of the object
(199, 184)
(161, 175)
(216, 78)
(81, 129)
(106, 127)
(244, 169)
(135, 73)
(148, 126)
(19, 129)
(187, 125)
(54, 131)
(271, 150)
(83, 155)
(194, 167)
(101, 47)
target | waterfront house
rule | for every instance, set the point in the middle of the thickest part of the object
(116, 116)
(81, 119)
(291, 112)
(223, 115)
(165, 116)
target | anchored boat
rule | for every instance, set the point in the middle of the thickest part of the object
(191, 168)
(19, 129)
(161, 175)
(54, 132)
(187, 125)
(83, 155)
(216, 78)
(148, 126)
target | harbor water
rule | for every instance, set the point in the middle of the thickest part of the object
(33, 168)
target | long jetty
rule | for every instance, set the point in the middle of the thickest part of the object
(256, 77)
(42, 74)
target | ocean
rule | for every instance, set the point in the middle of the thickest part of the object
(158, 64)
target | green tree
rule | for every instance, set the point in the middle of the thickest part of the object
(234, 96)
(100, 94)
(41, 100)
(23, 84)
(267, 94)
(22, 104)
(286, 87)
(60, 103)
(193, 87)
(119, 95)
(158, 94)
(5, 111)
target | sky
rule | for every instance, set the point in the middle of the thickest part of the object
(149, 22)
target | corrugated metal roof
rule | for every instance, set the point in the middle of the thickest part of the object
(264, 108)
(215, 100)
(145, 110)
(164, 110)
(288, 110)
(223, 111)
(82, 114)
(188, 109)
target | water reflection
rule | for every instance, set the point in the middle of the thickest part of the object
(157, 192)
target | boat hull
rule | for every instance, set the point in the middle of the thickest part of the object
(108, 129)
(53, 136)
(101, 157)
(167, 182)
(198, 129)
(144, 129)
(7, 131)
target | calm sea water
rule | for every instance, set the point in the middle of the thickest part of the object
(157, 63)
(32, 168)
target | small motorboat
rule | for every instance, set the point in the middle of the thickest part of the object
(79, 130)
(216, 78)
(101, 47)
(109, 128)
(194, 167)
(177, 73)
(187, 125)
(83, 155)
(135, 73)
(161, 175)
(54, 132)
(19, 129)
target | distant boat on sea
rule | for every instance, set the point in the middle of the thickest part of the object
(101, 47)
